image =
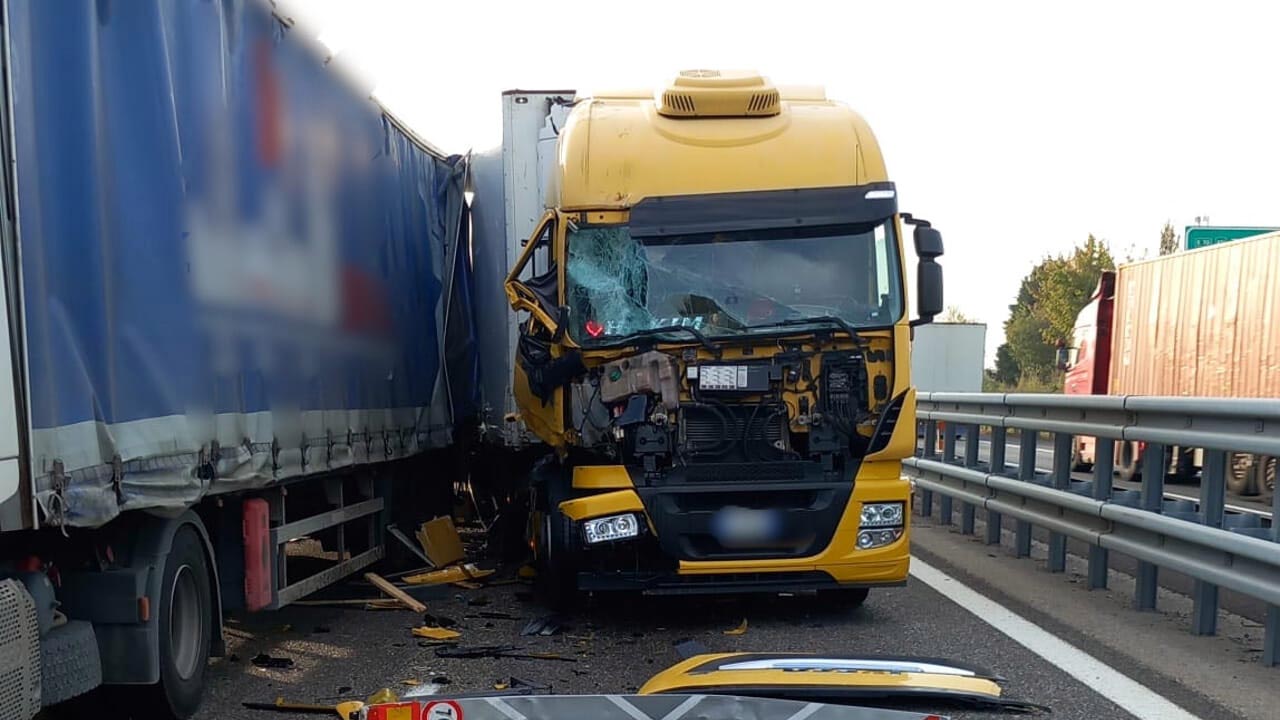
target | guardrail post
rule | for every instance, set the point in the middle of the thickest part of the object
(970, 461)
(930, 452)
(1204, 612)
(1026, 472)
(948, 456)
(1147, 580)
(1057, 560)
(999, 438)
(1271, 639)
(1103, 466)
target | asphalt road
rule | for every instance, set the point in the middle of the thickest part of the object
(616, 644)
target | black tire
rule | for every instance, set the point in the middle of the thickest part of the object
(1078, 465)
(69, 662)
(844, 598)
(1128, 465)
(1242, 474)
(557, 564)
(185, 629)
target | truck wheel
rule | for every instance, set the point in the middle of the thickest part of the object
(844, 598)
(1242, 477)
(557, 581)
(1127, 461)
(185, 629)
(1267, 476)
(1077, 464)
(69, 662)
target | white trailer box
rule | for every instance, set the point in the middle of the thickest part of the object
(947, 357)
(510, 185)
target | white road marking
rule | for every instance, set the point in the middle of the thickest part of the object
(1137, 699)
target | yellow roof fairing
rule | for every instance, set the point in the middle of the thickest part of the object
(615, 152)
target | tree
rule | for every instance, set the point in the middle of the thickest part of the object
(1006, 371)
(955, 315)
(1168, 240)
(1049, 299)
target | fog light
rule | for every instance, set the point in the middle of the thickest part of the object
(613, 527)
(868, 539)
(881, 514)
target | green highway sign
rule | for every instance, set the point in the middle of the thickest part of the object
(1198, 236)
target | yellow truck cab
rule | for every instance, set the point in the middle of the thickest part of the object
(716, 344)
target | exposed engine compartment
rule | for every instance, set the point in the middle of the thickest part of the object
(802, 404)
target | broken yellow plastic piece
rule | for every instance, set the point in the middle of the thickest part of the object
(436, 633)
(382, 696)
(457, 573)
(740, 630)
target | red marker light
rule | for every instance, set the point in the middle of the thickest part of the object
(594, 329)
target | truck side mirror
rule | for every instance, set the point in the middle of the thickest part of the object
(928, 290)
(928, 243)
(1060, 358)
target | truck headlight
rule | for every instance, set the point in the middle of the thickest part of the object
(881, 514)
(613, 527)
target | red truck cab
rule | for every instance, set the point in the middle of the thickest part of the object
(1088, 361)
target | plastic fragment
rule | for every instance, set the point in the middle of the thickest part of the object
(436, 633)
(740, 630)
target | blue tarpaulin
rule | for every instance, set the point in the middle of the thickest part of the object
(234, 266)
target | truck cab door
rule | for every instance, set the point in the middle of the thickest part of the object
(542, 365)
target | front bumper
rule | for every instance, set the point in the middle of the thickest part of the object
(869, 575)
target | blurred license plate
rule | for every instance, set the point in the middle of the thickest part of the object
(738, 527)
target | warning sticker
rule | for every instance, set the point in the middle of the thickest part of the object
(442, 710)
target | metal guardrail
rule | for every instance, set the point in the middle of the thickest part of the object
(1199, 540)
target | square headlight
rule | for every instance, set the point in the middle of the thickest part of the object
(612, 527)
(889, 514)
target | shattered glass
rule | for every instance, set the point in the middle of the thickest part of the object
(608, 279)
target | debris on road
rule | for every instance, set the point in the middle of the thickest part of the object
(740, 630)
(264, 660)
(403, 597)
(440, 541)
(477, 602)
(688, 647)
(436, 633)
(497, 651)
(456, 574)
(382, 697)
(283, 706)
(491, 615)
(438, 621)
(546, 625)
(396, 533)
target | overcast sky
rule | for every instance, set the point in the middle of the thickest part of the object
(1017, 128)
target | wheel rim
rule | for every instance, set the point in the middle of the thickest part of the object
(186, 623)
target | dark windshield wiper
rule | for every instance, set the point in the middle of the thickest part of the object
(649, 332)
(839, 322)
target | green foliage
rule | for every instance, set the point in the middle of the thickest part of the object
(1006, 371)
(955, 315)
(1168, 240)
(1049, 300)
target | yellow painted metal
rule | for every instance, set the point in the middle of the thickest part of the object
(610, 503)
(841, 559)
(601, 477)
(615, 151)
(680, 678)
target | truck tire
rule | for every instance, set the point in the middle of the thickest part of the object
(1128, 461)
(1078, 464)
(1267, 475)
(69, 662)
(556, 583)
(185, 630)
(1243, 474)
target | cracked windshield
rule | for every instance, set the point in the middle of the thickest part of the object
(730, 283)
(403, 360)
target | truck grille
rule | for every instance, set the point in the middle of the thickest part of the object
(733, 433)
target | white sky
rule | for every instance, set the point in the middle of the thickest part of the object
(1017, 128)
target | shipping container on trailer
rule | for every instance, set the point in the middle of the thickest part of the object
(237, 311)
(1200, 323)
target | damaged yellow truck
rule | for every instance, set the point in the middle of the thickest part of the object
(714, 339)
